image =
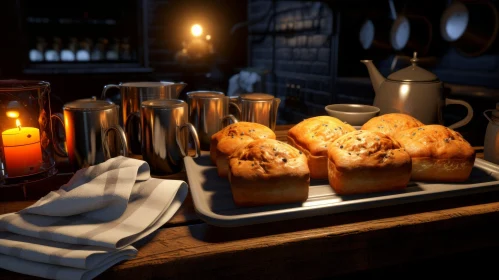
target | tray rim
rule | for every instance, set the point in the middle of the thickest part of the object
(212, 218)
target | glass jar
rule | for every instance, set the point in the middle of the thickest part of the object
(26, 150)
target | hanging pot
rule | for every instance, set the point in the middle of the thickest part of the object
(411, 33)
(471, 27)
(374, 34)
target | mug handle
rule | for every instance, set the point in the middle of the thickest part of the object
(193, 133)
(229, 118)
(57, 148)
(466, 119)
(106, 88)
(238, 109)
(122, 136)
(135, 116)
(275, 110)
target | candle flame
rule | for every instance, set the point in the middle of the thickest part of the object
(12, 114)
(18, 124)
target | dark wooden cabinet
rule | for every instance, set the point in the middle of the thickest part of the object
(107, 26)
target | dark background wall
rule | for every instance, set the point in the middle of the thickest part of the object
(169, 23)
(293, 41)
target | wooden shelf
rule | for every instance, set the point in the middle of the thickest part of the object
(86, 68)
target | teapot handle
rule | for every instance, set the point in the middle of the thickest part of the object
(490, 119)
(106, 88)
(466, 119)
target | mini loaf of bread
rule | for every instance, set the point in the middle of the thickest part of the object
(438, 153)
(312, 136)
(391, 124)
(367, 161)
(268, 171)
(233, 137)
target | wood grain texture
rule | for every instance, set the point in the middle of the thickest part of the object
(318, 247)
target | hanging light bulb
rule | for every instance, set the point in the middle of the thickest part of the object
(196, 30)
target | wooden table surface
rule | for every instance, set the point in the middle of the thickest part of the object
(450, 234)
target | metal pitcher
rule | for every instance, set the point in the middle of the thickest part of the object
(257, 107)
(133, 94)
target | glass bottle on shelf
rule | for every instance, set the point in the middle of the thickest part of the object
(52, 54)
(125, 53)
(83, 54)
(98, 51)
(68, 54)
(36, 54)
(113, 51)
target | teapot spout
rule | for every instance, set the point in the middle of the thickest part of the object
(179, 87)
(376, 78)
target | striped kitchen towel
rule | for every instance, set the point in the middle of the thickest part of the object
(89, 223)
(55, 260)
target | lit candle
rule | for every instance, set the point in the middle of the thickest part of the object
(21, 147)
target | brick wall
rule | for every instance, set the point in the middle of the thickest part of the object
(293, 42)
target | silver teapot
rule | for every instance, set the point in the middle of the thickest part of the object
(413, 91)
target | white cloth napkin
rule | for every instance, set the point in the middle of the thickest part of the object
(87, 225)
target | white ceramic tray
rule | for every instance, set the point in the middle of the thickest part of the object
(213, 198)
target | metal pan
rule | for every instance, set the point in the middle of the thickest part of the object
(411, 33)
(471, 27)
(213, 198)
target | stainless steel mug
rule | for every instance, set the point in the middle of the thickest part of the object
(208, 111)
(257, 107)
(132, 95)
(87, 124)
(164, 138)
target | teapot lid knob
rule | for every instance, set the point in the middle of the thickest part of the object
(414, 58)
(413, 73)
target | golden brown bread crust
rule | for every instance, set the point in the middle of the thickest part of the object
(268, 171)
(438, 153)
(316, 164)
(312, 136)
(233, 137)
(367, 161)
(391, 124)
(226, 147)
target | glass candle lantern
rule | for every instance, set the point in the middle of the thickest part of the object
(26, 151)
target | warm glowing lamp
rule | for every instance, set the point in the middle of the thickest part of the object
(22, 152)
(196, 30)
(13, 114)
(208, 37)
